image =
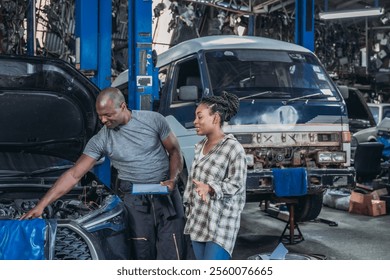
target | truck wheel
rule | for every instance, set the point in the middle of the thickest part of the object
(308, 208)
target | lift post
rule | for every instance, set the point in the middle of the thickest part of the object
(93, 33)
(142, 82)
(304, 23)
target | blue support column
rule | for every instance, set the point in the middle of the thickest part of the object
(251, 25)
(103, 77)
(304, 23)
(131, 103)
(94, 28)
(142, 88)
(87, 34)
(31, 43)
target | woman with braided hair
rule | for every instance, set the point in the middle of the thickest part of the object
(215, 193)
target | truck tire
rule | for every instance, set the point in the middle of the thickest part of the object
(308, 207)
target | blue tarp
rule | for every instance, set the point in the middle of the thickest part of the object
(386, 149)
(290, 181)
(22, 240)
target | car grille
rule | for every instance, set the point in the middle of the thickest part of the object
(69, 245)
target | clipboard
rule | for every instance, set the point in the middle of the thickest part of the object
(140, 189)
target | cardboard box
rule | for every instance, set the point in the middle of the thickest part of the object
(367, 203)
(359, 203)
(378, 207)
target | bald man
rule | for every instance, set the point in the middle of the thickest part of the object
(143, 149)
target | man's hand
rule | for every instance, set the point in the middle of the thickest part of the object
(171, 184)
(36, 212)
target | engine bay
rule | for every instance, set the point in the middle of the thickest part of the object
(83, 199)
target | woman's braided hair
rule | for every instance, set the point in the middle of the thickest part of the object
(225, 105)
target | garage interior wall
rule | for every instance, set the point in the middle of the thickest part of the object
(341, 44)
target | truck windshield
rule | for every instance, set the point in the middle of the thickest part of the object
(257, 74)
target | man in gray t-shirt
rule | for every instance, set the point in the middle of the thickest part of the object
(135, 148)
(143, 149)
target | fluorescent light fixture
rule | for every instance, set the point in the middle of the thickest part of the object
(368, 12)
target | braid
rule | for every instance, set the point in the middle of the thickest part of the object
(226, 105)
(233, 104)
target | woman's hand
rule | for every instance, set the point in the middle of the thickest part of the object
(202, 189)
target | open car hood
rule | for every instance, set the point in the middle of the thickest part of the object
(46, 107)
(359, 114)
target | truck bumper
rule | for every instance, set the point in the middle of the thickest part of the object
(261, 182)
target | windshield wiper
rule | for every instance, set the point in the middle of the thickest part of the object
(254, 95)
(303, 97)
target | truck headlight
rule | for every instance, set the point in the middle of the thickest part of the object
(331, 157)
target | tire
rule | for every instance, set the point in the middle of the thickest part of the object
(309, 207)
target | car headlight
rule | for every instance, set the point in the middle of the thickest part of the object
(331, 157)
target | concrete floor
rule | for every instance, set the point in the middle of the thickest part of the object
(356, 237)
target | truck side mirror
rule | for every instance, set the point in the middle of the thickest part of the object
(188, 93)
(344, 91)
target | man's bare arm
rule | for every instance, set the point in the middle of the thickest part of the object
(171, 144)
(62, 186)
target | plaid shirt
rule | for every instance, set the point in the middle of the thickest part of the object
(224, 169)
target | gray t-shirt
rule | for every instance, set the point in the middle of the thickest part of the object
(136, 149)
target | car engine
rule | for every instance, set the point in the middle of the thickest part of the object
(79, 202)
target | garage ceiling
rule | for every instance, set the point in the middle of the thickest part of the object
(339, 44)
(268, 6)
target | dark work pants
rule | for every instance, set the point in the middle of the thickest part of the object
(155, 226)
